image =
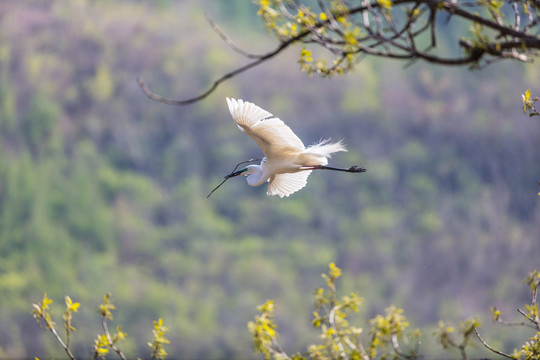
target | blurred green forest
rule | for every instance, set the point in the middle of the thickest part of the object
(103, 190)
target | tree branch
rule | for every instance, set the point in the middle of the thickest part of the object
(489, 347)
(225, 77)
(66, 348)
(228, 40)
(453, 9)
(385, 36)
(52, 329)
(332, 323)
(109, 339)
(197, 98)
(535, 323)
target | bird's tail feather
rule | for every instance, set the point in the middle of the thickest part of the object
(325, 148)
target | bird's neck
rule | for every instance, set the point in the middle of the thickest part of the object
(256, 175)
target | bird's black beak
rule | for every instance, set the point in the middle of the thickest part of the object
(236, 173)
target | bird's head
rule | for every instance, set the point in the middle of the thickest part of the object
(236, 173)
(248, 170)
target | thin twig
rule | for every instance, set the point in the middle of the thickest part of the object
(535, 324)
(462, 351)
(516, 16)
(489, 347)
(109, 339)
(455, 10)
(227, 177)
(534, 293)
(332, 323)
(282, 46)
(216, 83)
(58, 338)
(278, 352)
(510, 324)
(399, 45)
(228, 40)
(397, 348)
(68, 338)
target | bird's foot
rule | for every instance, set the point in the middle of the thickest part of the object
(356, 169)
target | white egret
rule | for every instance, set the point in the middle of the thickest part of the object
(287, 163)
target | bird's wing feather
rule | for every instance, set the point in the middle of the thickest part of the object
(269, 133)
(288, 183)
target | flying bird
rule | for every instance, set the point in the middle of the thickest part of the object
(287, 163)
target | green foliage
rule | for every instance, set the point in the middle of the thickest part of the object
(107, 341)
(533, 280)
(41, 118)
(101, 346)
(105, 308)
(41, 312)
(103, 342)
(531, 349)
(157, 345)
(264, 331)
(8, 108)
(387, 333)
(339, 339)
(460, 340)
(528, 103)
(109, 194)
(102, 86)
(287, 27)
(399, 30)
(71, 307)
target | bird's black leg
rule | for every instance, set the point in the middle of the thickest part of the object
(352, 169)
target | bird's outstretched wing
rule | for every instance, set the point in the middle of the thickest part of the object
(288, 183)
(269, 133)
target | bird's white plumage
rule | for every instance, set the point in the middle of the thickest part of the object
(269, 133)
(287, 162)
(286, 184)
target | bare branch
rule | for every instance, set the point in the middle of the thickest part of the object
(66, 348)
(228, 40)
(212, 88)
(454, 9)
(516, 16)
(52, 329)
(533, 321)
(510, 324)
(378, 32)
(332, 323)
(489, 347)
(109, 339)
(225, 77)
